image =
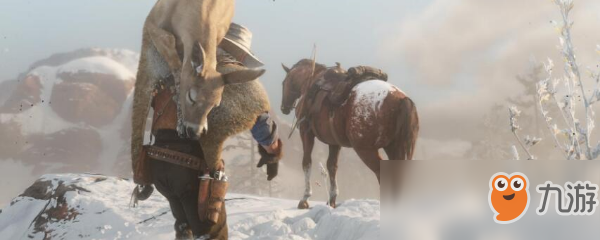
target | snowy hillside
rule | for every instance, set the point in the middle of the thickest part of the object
(83, 206)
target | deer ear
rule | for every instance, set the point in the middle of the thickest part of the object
(287, 69)
(198, 55)
(242, 76)
(165, 45)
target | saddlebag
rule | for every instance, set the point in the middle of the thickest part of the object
(347, 81)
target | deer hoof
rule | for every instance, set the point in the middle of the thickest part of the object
(303, 204)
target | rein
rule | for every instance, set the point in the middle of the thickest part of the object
(293, 107)
(302, 112)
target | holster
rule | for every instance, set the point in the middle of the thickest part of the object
(141, 169)
(211, 197)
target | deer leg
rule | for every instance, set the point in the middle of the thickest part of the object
(308, 142)
(212, 153)
(142, 97)
(332, 166)
(141, 107)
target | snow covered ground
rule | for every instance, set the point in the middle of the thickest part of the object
(85, 206)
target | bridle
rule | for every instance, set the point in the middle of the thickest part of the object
(298, 92)
(293, 92)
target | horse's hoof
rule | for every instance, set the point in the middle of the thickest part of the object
(331, 204)
(303, 204)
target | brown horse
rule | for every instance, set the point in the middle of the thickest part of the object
(376, 115)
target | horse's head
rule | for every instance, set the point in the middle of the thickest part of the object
(291, 90)
(296, 78)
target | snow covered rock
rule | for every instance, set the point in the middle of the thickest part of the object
(72, 106)
(87, 206)
(86, 86)
(44, 148)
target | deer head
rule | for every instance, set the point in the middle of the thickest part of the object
(200, 85)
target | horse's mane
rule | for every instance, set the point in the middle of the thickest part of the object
(308, 63)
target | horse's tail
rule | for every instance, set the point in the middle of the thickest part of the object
(407, 127)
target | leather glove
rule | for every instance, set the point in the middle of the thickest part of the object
(271, 160)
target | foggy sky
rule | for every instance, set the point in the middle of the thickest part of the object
(472, 50)
(349, 31)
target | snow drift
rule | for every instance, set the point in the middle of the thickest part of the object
(87, 206)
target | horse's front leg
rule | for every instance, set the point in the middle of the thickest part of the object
(332, 166)
(308, 142)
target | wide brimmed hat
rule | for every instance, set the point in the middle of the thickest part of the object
(237, 42)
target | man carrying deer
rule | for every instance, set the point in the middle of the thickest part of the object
(184, 51)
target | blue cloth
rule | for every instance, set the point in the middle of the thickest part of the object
(264, 130)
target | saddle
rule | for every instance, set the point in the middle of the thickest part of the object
(336, 84)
